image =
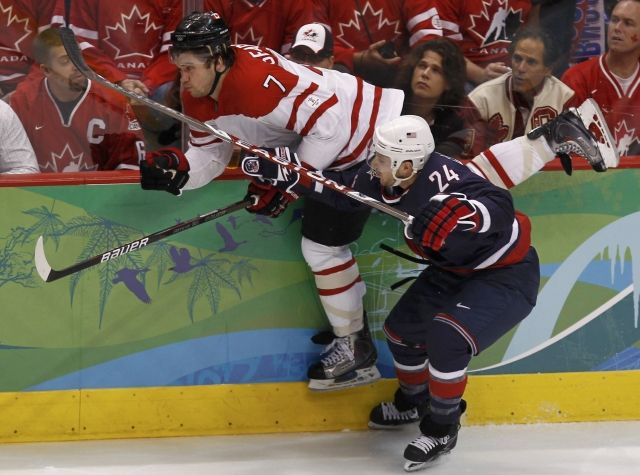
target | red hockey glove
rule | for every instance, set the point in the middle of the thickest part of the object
(268, 200)
(279, 176)
(164, 169)
(441, 216)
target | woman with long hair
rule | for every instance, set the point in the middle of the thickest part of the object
(433, 77)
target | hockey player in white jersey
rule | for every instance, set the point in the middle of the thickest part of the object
(267, 100)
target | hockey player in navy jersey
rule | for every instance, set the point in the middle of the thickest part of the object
(483, 274)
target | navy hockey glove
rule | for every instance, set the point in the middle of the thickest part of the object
(267, 200)
(277, 175)
(164, 169)
(441, 217)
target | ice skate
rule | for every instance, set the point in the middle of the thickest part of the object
(584, 132)
(348, 361)
(436, 440)
(397, 413)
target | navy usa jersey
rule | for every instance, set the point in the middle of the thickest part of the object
(505, 236)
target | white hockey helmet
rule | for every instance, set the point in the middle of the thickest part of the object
(407, 137)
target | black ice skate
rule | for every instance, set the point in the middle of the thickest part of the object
(582, 131)
(401, 411)
(347, 362)
(436, 440)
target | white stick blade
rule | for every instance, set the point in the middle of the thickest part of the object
(42, 266)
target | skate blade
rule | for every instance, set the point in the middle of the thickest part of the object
(414, 466)
(359, 377)
(593, 119)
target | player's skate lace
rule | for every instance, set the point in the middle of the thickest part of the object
(338, 351)
(391, 413)
(428, 443)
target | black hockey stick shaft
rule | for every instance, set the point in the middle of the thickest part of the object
(49, 275)
(75, 55)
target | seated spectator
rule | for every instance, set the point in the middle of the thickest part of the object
(16, 153)
(313, 45)
(483, 30)
(266, 23)
(20, 21)
(127, 43)
(371, 36)
(613, 79)
(521, 100)
(73, 123)
(433, 78)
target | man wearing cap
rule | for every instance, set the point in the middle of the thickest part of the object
(313, 45)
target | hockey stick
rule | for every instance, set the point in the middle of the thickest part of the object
(75, 55)
(49, 275)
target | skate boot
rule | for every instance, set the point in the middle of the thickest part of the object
(435, 440)
(401, 411)
(347, 362)
(582, 131)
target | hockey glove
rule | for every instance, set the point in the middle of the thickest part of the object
(277, 175)
(164, 169)
(268, 201)
(441, 217)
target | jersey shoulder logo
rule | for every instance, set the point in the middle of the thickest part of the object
(375, 20)
(134, 30)
(497, 22)
(14, 28)
(497, 125)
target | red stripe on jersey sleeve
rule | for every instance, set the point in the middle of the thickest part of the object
(326, 105)
(298, 102)
(497, 166)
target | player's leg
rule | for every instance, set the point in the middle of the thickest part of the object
(349, 359)
(487, 306)
(580, 131)
(406, 332)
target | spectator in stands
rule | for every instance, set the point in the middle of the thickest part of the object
(73, 123)
(433, 77)
(483, 29)
(127, 43)
(313, 45)
(16, 153)
(266, 23)
(521, 100)
(613, 79)
(20, 21)
(371, 36)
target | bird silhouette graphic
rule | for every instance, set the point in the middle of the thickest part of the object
(230, 244)
(233, 221)
(182, 260)
(129, 277)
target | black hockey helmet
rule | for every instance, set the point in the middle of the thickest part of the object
(202, 31)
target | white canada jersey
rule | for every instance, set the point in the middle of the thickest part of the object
(328, 117)
(505, 114)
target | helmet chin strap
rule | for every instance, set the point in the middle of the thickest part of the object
(216, 79)
(398, 181)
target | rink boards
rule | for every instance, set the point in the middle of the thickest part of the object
(208, 331)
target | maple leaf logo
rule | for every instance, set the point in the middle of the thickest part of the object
(374, 19)
(134, 31)
(625, 138)
(248, 38)
(496, 23)
(500, 131)
(67, 161)
(14, 28)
